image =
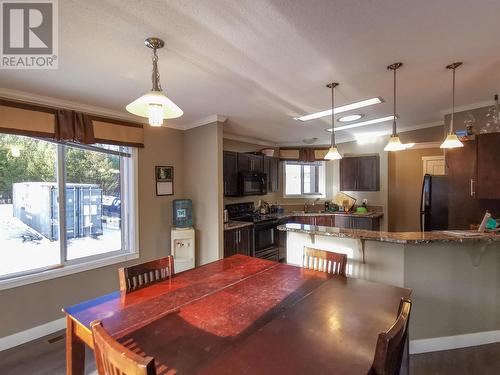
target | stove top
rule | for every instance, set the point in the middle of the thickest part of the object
(246, 212)
(255, 218)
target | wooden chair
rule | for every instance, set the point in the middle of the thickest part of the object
(144, 274)
(113, 358)
(325, 261)
(391, 344)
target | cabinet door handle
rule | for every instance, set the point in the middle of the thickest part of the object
(472, 191)
(225, 187)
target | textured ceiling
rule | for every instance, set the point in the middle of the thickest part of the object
(262, 62)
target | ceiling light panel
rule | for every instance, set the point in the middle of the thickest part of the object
(341, 109)
(350, 118)
(363, 123)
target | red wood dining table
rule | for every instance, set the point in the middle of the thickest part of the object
(243, 315)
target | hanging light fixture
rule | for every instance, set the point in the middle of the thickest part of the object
(451, 140)
(394, 143)
(333, 152)
(155, 105)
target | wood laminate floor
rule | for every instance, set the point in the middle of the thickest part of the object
(45, 356)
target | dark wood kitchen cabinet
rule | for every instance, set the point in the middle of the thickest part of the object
(250, 162)
(488, 166)
(360, 173)
(325, 220)
(238, 241)
(271, 169)
(230, 172)
(353, 222)
(309, 220)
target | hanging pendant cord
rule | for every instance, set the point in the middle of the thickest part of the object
(452, 103)
(333, 116)
(394, 93)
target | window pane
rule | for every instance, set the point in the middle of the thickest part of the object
(93, 203)
(292, 183)
(29, 211)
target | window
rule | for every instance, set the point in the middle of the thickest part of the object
(88, 186)
(304, 179)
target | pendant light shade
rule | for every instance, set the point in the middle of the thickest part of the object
(394, 143)
(333, 152)
(155, 105)
(451, 140)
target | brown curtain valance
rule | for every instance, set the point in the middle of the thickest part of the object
(74, 126)
(61, 124)
(303, 154)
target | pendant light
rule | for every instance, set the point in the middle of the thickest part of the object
(333, 152)
(451, 140)
(155, 105)
(394, 143)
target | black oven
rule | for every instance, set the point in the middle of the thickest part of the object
(266, 240)
(253, 183)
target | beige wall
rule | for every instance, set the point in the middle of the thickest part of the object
(27, 306)
(203, 184)
(405, 187)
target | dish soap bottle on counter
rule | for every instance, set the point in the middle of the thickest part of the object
(482, 226)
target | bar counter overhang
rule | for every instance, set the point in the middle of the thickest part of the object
(454, 275)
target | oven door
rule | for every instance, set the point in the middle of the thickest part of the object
(265, 236)
(253, 183)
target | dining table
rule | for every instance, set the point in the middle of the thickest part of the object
(243, 315)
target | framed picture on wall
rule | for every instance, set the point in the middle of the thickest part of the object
(164, 180)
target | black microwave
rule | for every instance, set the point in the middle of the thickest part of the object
(253, 183)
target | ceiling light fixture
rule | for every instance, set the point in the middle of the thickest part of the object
(155, 105)
(452, 140)
(341, 109)
(394, 143)
(362, 123)
(333, 152)
(350, 118)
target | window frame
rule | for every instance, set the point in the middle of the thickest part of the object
(320, 181)
(129, 216)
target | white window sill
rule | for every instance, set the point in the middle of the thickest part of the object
(66, 270)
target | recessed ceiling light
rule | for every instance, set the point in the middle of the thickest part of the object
(341, 109)
(350, 118)
(363, 123)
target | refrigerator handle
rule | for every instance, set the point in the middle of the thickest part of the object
(472, 185)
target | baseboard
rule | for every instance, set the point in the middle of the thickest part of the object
(453, 342)
(31, 334)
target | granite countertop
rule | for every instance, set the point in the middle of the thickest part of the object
(236, 225)
(394, 237)
(355, 214)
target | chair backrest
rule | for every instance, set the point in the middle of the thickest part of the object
(113, 358)
(325, 261)
(144, 274)
(391, 344)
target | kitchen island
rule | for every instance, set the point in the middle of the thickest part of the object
(454, 275)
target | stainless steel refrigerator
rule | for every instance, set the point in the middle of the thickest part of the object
(434, 203)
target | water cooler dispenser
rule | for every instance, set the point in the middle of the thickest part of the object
(182, 235)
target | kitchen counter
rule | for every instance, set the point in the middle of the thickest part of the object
(370, 214)
(230, 225)
(393, 237)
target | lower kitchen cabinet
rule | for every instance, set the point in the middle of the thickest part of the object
(310, 220)
(325, 221)
(282, 241)
(238, 241)
(353, 222)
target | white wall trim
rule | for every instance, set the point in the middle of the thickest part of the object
(453, 342)
(468, 107)
(426, 145)
(205, 121)
(31, 334)
(244, 139)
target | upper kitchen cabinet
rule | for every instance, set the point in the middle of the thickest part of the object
(360, 173)
(230, 168)
(271, 169)
(488, 166)
(250, 163)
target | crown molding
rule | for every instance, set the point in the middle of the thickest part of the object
(468, 107)
(23, 96)
(255, 141)
(205, 121)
